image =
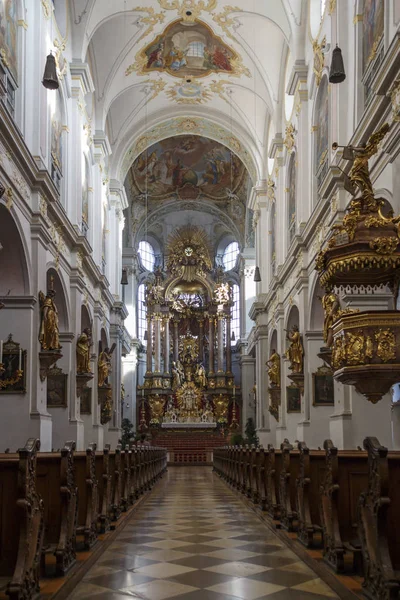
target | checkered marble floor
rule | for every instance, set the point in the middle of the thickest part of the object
(193, 539)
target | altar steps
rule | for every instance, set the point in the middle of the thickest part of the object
(189, 447)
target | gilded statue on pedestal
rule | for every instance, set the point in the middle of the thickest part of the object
(274, 368)
(200, 377)
(331, 305)
(295, 352)
(83, 346)
(104, 366)
(49, 332)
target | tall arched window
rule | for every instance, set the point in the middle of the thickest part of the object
(235, 325)
(230, 255)
(147, 255)
(292, 197)
(142, 312)
(273, 238)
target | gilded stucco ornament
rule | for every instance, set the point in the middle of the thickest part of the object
(319, 59)
(189, 10)
(289, 141)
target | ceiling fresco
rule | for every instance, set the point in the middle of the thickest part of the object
(188, 166)
(188, 49)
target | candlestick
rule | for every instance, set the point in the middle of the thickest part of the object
(20, 359)
(234, 390)
(1, 351)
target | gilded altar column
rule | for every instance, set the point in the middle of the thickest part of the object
(211, 344)
(176, 340)
(220, 355)
(166, 345)
(201, 338)
(157, 344)
(228, 345)
(149, 356)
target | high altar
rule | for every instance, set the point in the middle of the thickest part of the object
(189, 380)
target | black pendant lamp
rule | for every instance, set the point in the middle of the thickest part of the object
(337, 73)
(257, 275)
(50, 79)
(124, 278)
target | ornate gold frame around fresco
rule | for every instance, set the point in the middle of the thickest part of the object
(141, 58)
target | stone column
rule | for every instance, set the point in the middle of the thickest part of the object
(211, 344)
(176, 341)
(201, 336)
(220, 356)
(228, 345)
(166, 345)
(157, 344)
(149, 369)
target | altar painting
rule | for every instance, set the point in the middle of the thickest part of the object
(8, 34)
(373, 19)
(189, 49)
(188, 164)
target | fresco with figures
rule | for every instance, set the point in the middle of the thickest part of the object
(188, 166)
(372, 28)
(8, 34)
(189, 49)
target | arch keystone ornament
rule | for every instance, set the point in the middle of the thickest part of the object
(364, 250)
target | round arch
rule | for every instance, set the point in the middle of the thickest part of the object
(14, 264)
(292, 317)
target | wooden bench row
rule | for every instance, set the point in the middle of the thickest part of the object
(52, 502)
(345, 501)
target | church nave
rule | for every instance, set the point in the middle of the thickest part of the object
(194, 539)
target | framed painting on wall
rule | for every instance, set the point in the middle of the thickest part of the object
(57, 388)
(293, 399)
(323, 394)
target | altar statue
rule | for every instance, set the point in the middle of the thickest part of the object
(83, 346)
(200, 376)
(49, 332)
(295, 351)
(274, 368)
(176, 376)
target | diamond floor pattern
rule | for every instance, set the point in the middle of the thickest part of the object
(193, 539)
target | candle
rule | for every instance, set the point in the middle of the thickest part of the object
(20, 359)
(142, 392)
(1, 351)
(234, 390)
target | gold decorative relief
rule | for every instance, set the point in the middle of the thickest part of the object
(289, 137)
(189, 10)
(386, 341)
(319, 59)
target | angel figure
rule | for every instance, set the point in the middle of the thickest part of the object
(49, 332)
(359, 172)
(201, 377)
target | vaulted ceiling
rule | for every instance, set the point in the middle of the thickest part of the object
(173, 67)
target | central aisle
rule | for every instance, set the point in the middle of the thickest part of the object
(194, 539)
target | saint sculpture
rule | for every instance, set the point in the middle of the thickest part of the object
(295, 352)
(331, 305)
(83, 346)
(274, 368)
(49, 332)
(104, 366)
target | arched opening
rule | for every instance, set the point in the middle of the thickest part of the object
(53, 281)
(230, 255)
(147, 255)
(13, 265)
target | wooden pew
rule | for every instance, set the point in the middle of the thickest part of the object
(21, 522)
(104, 481)
(116, 477)
(55, 481)
(346, 476)
(272, 468)
(287, 486)
(125, 478)
(85, 471)
(379, 523)
(309, 480)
